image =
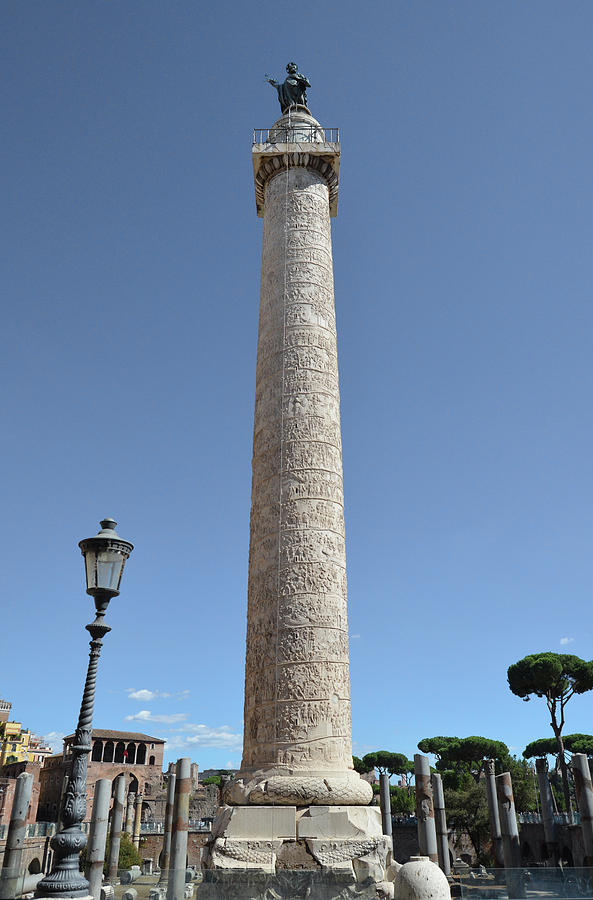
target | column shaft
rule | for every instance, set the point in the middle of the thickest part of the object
(584, 792)
(137, 820)
(176, 880)
(129, 826)
(385, 798)
(510, 836)
(440, 821)
(98, 836)
(493, 814)
(15, 839)
(117, 814)
(166, 851)
(297, 744)
(427, 836)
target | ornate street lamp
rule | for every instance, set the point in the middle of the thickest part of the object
(104, 556)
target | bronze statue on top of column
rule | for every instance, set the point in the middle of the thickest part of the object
(293, 90)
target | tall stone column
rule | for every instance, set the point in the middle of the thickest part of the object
(97, 837)
(440, 821)
(297, 801)
(165, 857)
(297, 746)
(427, 835)
(15, 840)
(137, 820)
(117, 814)
(584, 792)
(129, 826)
(510, 836)
(385, 798)
(493, 814)
(176, 877)
(547, 806)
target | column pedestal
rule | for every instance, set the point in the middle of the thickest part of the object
(341, 846)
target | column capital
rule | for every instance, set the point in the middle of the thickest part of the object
(296, 140)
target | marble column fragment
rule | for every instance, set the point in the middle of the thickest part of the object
(137, 820)
(385, 798)
(547, 806)
(15, 839)
(117, 814)
(493, 814)
(176, 880)
(584, 792)
(427, 836)
(297, 746)
(440, 821)
(510, 836)
(129, 826)
(98, 836)
(166, 851)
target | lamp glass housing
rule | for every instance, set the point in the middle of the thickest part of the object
(104, 569)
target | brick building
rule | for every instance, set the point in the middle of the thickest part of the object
(8, 777)
(138, 756)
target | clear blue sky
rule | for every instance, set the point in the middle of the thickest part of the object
(130, 284)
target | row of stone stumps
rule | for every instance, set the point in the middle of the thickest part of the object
(431, 818)
(172, 883)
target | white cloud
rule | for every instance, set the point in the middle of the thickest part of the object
(222, 737)
(197, 735)
(175, 743)
(144, 695)
(54, 739)
(566, 640)
(145, 715)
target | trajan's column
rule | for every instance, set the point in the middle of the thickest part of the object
(297, 783)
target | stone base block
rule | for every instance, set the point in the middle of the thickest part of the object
(330, 850)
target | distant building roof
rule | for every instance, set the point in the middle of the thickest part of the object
(103, 734)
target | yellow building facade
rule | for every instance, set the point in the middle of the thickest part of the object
(17, 744)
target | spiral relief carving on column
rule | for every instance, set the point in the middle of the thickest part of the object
(297, 739)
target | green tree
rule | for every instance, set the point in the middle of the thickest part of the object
(403, 801)
(557, 677)
(359, 766)
(128, 855)
(579, 743)
(461, 760)
(540, 748)
(524, 785)
(387, 762)
(467, 810)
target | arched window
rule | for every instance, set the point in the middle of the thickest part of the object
(114, 782)
(119, 752)
(97, 753)
(141, 754)
(108, 751)
(151, 761)
(131, 758)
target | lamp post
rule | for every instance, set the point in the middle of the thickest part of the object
(104, 557)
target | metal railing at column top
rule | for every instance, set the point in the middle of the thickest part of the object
(300, 133)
